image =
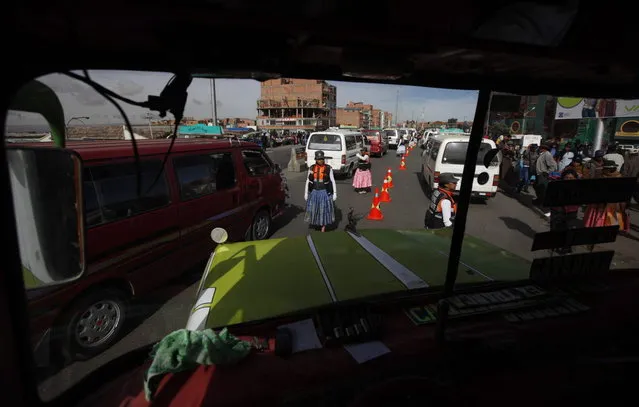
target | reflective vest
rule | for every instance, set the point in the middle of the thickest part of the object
(319, 178)
(434, 218)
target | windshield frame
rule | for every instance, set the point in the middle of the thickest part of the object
(463, 202)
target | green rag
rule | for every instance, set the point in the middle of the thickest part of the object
(183, 350)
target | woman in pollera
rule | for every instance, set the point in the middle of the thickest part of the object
(362, 181)
(319, 193)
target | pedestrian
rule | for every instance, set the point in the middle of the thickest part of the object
(320, 209)
(401, 146)
(442, 208)
(611, 213)
(544, 166)
(565, 217)
(362, 181)
(565, 157)
(576, 165)
(527, 168)
(594, 167)
(631, 169)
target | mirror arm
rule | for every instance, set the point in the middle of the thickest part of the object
(36, 97)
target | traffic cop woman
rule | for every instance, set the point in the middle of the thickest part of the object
(442, 209)
(320, 210)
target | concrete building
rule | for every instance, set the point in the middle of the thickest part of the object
(296, 104)
(386, 119)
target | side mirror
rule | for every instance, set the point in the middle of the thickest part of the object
(277, 169)
(46, 185)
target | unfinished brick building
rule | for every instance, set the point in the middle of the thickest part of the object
(296, 104)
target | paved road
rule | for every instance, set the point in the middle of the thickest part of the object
(503, 221)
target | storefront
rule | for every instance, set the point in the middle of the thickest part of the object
(627, 132)
(599, 121)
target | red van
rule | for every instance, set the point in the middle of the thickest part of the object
(134, 246)
(379, 142)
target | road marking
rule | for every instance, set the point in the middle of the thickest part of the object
(403, 274)
(327, 281)
(469, 267)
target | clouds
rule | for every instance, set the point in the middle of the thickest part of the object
(127, 87)
(82, 93)
(237, 97)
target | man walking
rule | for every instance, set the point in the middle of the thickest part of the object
(544, 166)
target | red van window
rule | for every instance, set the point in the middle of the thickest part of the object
(111, 193)
(256, 163)
(200, 175)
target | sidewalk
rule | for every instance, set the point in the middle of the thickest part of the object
(625, 247)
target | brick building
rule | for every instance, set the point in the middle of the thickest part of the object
(236, 122)
(366, 110)
(377, 119)
(296, 104)
(349, 117)
(187, 121)
(362, 115)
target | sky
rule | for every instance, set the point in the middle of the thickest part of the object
(237, 98)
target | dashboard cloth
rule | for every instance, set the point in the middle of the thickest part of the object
(185, 350)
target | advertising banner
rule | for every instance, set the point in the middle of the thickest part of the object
(579, 108)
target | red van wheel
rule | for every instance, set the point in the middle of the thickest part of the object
(92, 324)
(261, 226)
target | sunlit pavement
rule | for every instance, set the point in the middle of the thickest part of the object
(502, 221)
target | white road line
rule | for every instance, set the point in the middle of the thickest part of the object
(407, 277)
(329, 286)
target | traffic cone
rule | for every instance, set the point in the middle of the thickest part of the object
(376, 200)
(385, 196)
(375, 213)
(402, 164)
(389, 177)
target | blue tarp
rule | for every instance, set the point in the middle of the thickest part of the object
(239, 129)
(200, 129)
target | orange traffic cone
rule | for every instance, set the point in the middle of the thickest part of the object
(376, 199)
(385, 196)
(402, 164)
(375, 213)
(389, 177)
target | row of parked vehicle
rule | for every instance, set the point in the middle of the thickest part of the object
(341, 146)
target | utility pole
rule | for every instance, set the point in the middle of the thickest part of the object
(213, 101)
(397, 107)
(148, 117)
